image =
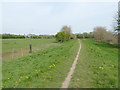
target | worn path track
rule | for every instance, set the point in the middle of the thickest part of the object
(65, 84)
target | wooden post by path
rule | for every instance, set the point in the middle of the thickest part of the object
(30, 48)
(21, 51)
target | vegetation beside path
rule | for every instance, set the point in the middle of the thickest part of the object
(97, 66)
(43, 69)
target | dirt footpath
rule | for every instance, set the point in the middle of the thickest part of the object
(65, 84)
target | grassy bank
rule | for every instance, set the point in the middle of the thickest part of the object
(97, 66)
(43, 69)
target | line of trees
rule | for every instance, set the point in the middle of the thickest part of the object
(47, 36)
(11, 36)
(35, 37)
(85, 35)
(32, 36)
(42, 36)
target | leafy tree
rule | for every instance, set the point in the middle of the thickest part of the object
(86, 35)
(79, 35)
(60, 36)
(64, 35)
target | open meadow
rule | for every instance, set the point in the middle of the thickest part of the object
(16, 44)
(97, 66)
(14, 48)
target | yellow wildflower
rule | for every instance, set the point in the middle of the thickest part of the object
(26, 76)
(21, 77)
(16, 81)
(102, 68)
(1, 86)
(8, 78)
(113, 65)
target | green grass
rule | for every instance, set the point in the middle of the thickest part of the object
(9, 44)
(97, 66)
(43, 69)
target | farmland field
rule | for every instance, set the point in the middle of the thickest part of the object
(97, 66)
(12, 47)
(16, 44)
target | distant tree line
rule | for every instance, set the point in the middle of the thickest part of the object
(32, 36)
(11, 36)
(85, 35)
(47, 36)
(41, 36)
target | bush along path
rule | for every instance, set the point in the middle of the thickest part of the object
(65, 84)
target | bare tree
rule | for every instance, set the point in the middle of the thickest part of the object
(99, 33)
(66, 29)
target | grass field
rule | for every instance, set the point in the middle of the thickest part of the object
(97, 66)
(42, 69)
(9, 44)
(15, 48)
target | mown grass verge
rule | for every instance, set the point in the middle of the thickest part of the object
(43, 69)
(97, 66)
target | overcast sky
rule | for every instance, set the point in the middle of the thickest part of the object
(49, 17)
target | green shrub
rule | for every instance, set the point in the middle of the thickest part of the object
(62, 36)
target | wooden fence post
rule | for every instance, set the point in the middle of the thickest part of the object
(30, 48)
